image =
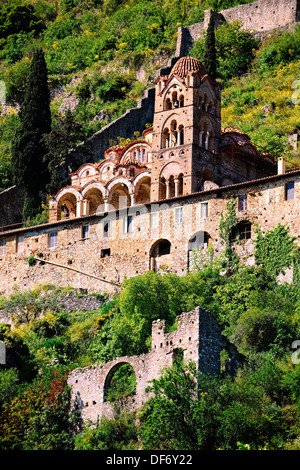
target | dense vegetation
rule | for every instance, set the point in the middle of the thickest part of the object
(259, 408)
(106, 52)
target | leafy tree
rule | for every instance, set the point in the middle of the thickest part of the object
(274, 250)
(28, 150)
(209, 53)
(16, 17)
(192, 412)
(118, 433)
(228, 223)
(60, 143)
(40, 418)
(234, 50)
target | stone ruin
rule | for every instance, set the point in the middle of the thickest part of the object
(198, 338)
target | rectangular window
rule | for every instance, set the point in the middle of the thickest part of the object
(20, 244)
(204, 210)
(178, 215)
(242, 206)
(2, 247)
(245, 231)
(105, 252)
(85, 231)
(52, 240)
(289, 191)
(107, 229)
(128, 224)
(154, 220)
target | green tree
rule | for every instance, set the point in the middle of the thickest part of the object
(209, 53)
(227, 227)
(28, 149)
(65, 134)
(274, 250)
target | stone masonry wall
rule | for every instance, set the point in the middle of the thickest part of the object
(132, 253)
(198, 335)
(259, 17)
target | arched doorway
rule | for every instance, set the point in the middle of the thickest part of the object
(160, 249)
(199, 251)
(120, 383)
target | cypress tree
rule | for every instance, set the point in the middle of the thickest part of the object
(210, 56)
(28, 148)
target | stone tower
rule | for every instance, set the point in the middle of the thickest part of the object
(186, 130)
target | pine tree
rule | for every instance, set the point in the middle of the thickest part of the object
(28, 149)
(209, 56)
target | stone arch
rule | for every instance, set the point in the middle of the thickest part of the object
(66, 203)
(160, 248)
(95, 194)
(142, 188)
(110, 375)
(120, 192)
(207, 175)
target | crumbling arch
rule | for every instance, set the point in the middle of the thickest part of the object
(126, 389)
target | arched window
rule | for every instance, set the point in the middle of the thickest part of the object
(181, 101)
(181, 135)
(168, 104)
(166, 138)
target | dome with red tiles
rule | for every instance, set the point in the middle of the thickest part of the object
(187, 65)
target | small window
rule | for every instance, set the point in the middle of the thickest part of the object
(128, 224)
(52, 240)
(20, 244)
(289, 191)
(2, 247)
(85, 231)
(178, 215)
(204, 210)
(242, 205)
(154, 220)
(131, 172)
(244, 231)
(105, 253)
(107, 229)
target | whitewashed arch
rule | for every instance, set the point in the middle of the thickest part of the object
(94, 185)
(140, 176)
(120, 180)
(63, 192)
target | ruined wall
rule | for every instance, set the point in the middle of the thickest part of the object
(133, 253)
(259, 17)
(198, 335)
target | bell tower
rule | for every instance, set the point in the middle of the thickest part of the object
(186, 130)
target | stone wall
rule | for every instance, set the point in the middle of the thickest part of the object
(260, 17)
(198, 336)
(111, 259)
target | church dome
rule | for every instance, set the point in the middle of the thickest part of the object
(187, 65)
